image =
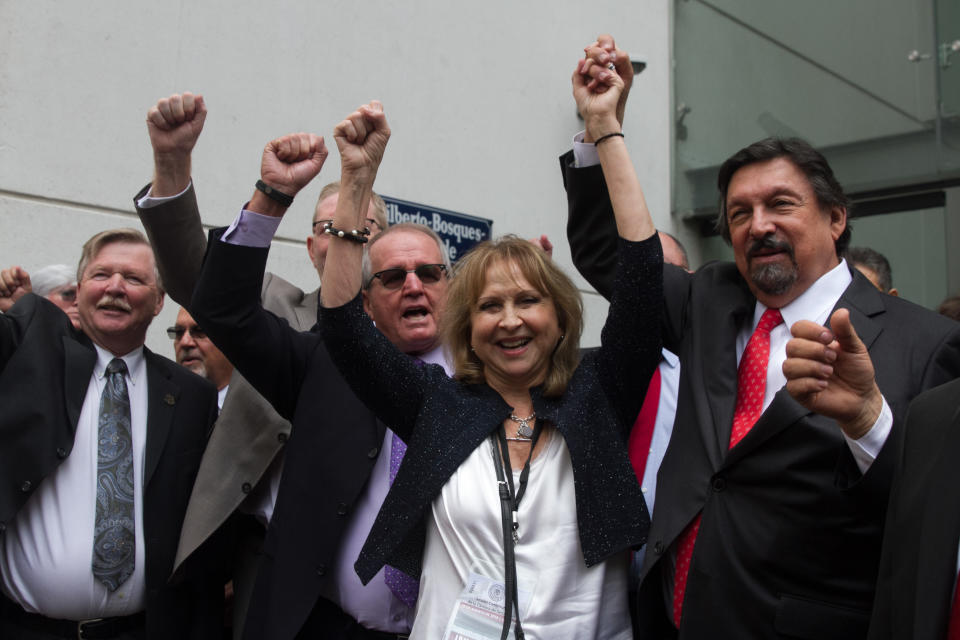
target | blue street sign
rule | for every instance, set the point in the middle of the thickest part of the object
(458, 231)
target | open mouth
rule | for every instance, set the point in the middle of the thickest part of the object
(514, 343)
(415, 313)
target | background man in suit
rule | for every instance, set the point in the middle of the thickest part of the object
(298, 584)
(769, 513)
(195, 351)
(917, 594)
(101, 443)
(875, 266)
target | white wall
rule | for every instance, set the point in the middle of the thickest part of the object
(477, 95)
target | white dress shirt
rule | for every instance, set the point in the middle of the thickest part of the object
(47, 551)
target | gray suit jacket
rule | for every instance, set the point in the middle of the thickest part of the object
(249, 432)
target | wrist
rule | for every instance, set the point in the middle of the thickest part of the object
(869, 412)
(171, 174)
(262, 203)
(601, 126)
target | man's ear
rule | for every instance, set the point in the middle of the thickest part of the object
(838, 221)
(894, 292)
(366, 304)
(310, 240)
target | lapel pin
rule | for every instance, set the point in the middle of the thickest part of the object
(169, 399)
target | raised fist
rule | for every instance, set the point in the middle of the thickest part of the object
(291, 162)
(175, 123)
(362, 138)
(14, 284)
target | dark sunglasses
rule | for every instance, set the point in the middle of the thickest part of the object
(394, 278)
(177, 333)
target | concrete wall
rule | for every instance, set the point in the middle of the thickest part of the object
(477, 95)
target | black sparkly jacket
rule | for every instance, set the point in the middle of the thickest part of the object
(443, 420)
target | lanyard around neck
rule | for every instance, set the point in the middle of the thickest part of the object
(509, 505)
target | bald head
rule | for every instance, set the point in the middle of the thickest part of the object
(673, 251)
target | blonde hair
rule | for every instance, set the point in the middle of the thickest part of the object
(470, 278)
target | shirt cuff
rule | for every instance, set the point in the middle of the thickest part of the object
(584, 153)
(866, 448)
(251, 229)
(148, 201)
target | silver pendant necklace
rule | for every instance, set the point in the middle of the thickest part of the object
(524, 430)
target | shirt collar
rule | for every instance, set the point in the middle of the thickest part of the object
(436, 356)
(136, 367)
(670, 358)
(816, 302)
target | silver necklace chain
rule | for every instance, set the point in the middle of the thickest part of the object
(524, 430)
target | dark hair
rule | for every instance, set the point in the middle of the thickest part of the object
(950, 307)
(828, 191)
(876, 262)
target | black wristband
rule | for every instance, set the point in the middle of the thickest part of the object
(273, 194)
(607, 137)
(360, 236)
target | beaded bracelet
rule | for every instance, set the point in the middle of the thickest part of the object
(357, 235)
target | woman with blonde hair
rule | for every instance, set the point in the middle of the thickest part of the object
(515, 504)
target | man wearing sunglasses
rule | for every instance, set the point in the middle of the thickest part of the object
(196, 352)
(405, 286)
(317, 496)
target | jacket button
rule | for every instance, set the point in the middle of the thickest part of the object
(282, 437)
(658, 547)
(26, 486)
(342, 509)
(246, 487)
(321, 570)
(3, 527)
(719, 484)
(373, 453)
(61, 453)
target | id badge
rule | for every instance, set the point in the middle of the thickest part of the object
(478, 612)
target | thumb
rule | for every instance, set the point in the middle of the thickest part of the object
(200, 110)
(843, 330)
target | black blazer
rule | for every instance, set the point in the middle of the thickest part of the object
(918, 565)
(46, 367)
(333, 446)
(443, 421)
(790, 537)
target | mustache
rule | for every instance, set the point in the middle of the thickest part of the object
(769, 243)
(113, 301)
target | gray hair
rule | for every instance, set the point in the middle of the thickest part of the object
(400, 227)
(876, 262)
(52, 277)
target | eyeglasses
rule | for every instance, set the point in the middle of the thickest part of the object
(67, 295)
(394, 278)
(177, 333)
(370, 222)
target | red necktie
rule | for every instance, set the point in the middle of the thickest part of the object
(953, 632)
(642, 433)
(751, 386)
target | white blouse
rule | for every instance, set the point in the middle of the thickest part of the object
(461, 586)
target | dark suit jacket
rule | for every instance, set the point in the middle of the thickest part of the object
(918, 565)
(790, 537)
(46, 367)
(333, 445)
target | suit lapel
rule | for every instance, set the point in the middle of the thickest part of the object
(864, 302)
(719, 354)
(162, 397)
(306, 311)
(79, 360)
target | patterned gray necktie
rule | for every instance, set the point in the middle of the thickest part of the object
(114, 550)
